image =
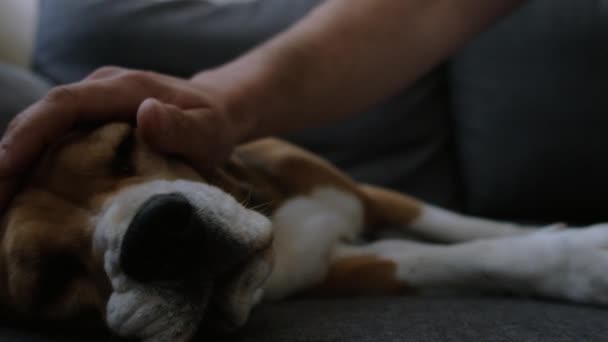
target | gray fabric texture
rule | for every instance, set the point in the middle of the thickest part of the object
(398, 319)
(18, 89)
(531, 114)
(426, 319)
(403, 143)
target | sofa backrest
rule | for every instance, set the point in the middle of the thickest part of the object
(17, 26)
(531, 113)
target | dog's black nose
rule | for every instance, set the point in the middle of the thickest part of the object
(164, 240)
(168, 240)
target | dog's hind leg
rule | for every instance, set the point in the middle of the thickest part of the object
(386, 208)
(564, 264)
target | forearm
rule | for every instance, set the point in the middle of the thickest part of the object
(343, 57)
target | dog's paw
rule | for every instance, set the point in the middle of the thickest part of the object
(153, 314)
(573, 263)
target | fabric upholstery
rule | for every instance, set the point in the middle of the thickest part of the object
(531, 114)
(397, 319)
(18, 89)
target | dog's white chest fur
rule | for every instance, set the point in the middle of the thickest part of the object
(307, 229)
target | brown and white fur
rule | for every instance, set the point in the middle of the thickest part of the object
(156, 248)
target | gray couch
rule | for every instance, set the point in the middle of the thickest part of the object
(444, 319)
(511, 128)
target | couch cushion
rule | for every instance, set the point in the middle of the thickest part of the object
(177, 37)
(397, 319)
(425, 319)
(17, 26)
(531, 113)
(18, 89)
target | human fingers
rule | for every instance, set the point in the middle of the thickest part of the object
(203, 136)
(108, 98)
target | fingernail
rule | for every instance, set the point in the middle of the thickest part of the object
(148, 105)
(153, 119)
(148, 115)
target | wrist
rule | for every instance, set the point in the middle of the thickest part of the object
(224, 89)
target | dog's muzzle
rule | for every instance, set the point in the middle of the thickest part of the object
(179, 253)
(169, 239)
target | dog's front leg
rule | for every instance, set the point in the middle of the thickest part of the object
(565, 264)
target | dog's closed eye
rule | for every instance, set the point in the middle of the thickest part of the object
(122, 163)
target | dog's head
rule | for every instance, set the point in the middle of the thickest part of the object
(106, 224)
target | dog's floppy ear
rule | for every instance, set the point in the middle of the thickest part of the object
(230, 184)
(248, 187)
(47, 267)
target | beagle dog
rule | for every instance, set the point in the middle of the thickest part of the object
(156, 248)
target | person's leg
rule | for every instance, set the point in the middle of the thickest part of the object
(19, 88)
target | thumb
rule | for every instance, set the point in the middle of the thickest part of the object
(200, 135)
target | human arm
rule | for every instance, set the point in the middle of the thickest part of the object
(345, 56)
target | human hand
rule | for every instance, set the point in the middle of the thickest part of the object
(176, 116)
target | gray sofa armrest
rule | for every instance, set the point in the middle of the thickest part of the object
(18, 89)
